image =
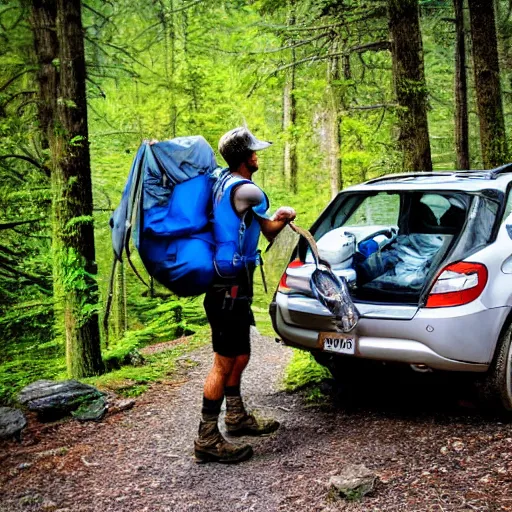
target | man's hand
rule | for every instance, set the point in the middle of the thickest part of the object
(284, 213)
(271, 227)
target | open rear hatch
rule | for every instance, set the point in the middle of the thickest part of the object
(397, 249)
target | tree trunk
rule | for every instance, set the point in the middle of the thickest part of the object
(120, 317)
(290, 118)
(410, 86)
(290, 143)
(461, 90)
(487, 83)
(172, 36)
(334, 124)
(43, 21)
(75, 284)
(167, 20)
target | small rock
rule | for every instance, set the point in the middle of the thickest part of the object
(24, 465)
(121, 405)
(54, 452)
(353, 482)
(12, 422)
(444, 450)
(458, 446)
(485, 479)
(48, 505)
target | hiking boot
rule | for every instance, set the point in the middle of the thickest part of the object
(210, 446)
(240, 423)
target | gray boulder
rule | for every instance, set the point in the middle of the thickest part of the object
(352, 482)
(50, 399)
(12, 422)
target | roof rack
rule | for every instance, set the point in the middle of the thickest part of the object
(477, 173)
(502, 169)
(400, 176)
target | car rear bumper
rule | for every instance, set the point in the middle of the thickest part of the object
(421, 337)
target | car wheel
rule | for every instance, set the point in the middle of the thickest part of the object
(495, 389)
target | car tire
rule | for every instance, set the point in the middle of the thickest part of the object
(495, 389)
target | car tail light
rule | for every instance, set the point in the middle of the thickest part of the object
(458, 284)
(283, 285)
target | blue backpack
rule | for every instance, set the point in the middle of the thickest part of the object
(166, 208)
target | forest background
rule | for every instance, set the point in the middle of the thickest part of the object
(324, 80)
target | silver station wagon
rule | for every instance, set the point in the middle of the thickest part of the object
(428, 261)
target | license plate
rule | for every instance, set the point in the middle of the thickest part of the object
(337, 342)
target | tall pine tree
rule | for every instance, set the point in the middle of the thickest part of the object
(58, 35)
(487, 82)
(410, 85)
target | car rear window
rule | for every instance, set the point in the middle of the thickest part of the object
(410, 212)
(378, 209)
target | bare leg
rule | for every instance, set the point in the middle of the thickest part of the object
(239, 366)
(217, 379)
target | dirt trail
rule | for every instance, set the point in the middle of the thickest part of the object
(141, 460)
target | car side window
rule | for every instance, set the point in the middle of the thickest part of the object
(508, 206)
(382, 209)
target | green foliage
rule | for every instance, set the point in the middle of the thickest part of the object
(79, 284)
(303, 371)
(77, 221)
(435, 3)
(23, 319)
(155, 72)
(304, 374)
(26, 309)
(26, 366)
(66, 102)
(158, 367)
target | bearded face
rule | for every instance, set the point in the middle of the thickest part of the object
(252, 162)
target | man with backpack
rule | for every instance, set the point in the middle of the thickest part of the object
(239, 216)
